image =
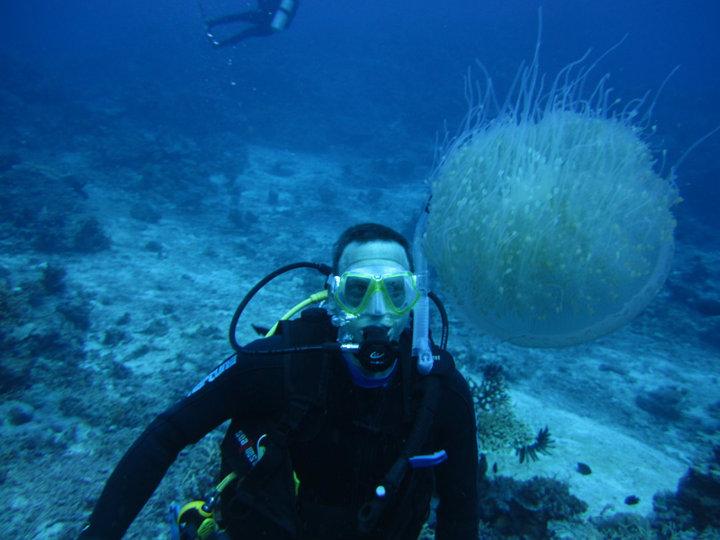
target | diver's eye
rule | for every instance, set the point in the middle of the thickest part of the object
(355, 289)
(395, 288)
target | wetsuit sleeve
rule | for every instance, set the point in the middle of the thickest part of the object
(248, 387)
(457, 513)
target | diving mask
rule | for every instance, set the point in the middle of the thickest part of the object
(354, 291)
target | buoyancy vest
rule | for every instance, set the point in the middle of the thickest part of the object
(314, 424)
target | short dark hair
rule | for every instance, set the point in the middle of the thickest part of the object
(369, 232)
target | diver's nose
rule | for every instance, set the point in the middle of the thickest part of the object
(377, 305)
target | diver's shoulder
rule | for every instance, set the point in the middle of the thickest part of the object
(239, 366)
(452, 380)
(313, 326)
(443, 362)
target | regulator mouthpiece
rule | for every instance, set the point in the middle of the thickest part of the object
(377, 353)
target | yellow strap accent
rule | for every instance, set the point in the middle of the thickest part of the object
(225, 481)
(296, 481)
(312, 299)
(206, 528)
(193, 505)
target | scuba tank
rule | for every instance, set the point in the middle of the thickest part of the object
(282, 15)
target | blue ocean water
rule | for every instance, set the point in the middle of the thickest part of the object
(370, 64)
(148, 179)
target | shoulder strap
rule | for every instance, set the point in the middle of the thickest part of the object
(306, 375)
(269, 489)
(372, 511)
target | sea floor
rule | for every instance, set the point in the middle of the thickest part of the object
(137, 325)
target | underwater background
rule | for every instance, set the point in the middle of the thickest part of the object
(148, 180)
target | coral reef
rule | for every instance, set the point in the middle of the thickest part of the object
(695, 505)
(53, 279)
(90, 237)
(50, 351)
(48, 210)
(524, 509)
(664, 403)
(624, 526)
(491, 393)
(498, 427)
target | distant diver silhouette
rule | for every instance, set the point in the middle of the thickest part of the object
(270, 17)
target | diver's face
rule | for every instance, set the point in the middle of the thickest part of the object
(372, 257)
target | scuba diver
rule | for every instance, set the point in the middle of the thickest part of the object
(335, 432)
(269, 17)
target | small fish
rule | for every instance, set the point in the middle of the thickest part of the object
(631, 500)
(495, 468)
(583, 468)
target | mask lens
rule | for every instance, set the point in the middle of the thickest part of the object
(396, 291)
(353, 290)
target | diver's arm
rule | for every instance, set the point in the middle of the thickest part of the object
(245, 16)
(245, 388)
(136, 476)
(457, 514)
(254, 31)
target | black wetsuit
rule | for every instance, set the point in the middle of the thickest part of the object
(340, 458)
(260, 21)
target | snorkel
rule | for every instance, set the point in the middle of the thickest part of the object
(421, 312)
